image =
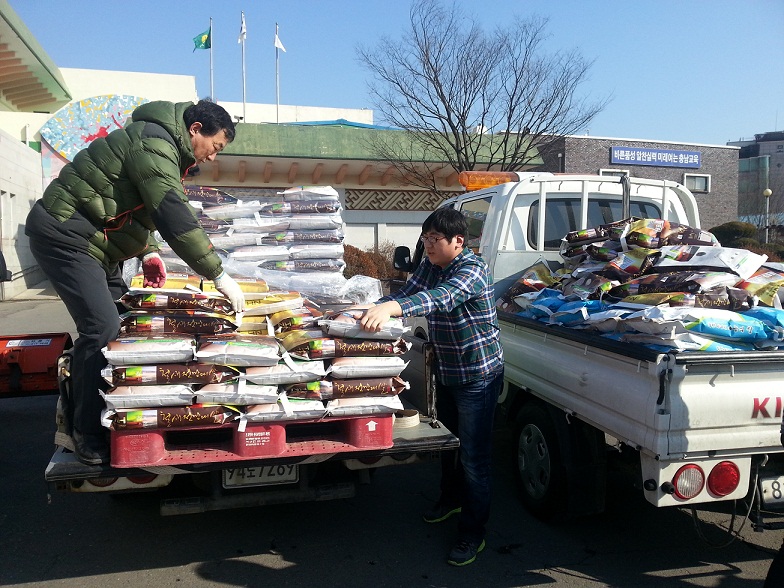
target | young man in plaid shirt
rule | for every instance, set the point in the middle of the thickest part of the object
(453, 289)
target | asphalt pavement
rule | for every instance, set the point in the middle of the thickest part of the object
(376, 538)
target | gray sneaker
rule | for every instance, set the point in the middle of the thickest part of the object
(464, 552)
(440, 512)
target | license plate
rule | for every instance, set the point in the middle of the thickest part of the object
(260, 476)
(772, 491)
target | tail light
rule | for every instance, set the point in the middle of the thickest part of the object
(144, 479)
(101, 482)
(688, 481)
(724, 478)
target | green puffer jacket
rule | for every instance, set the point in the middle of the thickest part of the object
(129, 184)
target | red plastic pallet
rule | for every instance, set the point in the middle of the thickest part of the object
(136, 448)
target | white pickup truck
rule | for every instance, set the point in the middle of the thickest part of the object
(702, 427)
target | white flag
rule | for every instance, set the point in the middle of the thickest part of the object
(278, 44)
(243, 30)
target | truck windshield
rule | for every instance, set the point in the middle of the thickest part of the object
(563, 215)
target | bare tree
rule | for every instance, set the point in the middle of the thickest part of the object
(472, 99)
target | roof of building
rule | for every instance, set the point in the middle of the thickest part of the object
(29, 79)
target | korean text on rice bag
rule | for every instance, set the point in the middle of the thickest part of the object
(168, 373)
(175, 321)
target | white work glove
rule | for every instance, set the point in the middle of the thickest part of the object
(226, 285)
(154, 271)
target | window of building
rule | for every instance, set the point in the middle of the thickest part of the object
(613, 172)
(697, 182)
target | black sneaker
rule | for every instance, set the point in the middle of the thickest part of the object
(90, 449)
(464, 552)
(440, 512)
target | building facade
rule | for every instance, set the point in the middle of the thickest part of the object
(709, 171)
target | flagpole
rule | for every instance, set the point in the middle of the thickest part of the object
(277, 77)
(242, 37)
(212, 90)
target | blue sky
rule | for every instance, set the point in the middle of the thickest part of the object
(696, 71)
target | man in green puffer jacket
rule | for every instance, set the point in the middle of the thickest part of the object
(101, 210)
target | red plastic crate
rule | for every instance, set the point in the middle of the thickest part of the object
(28, 363)
(137, 448)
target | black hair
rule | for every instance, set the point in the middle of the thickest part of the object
(213, 119)
(447, 221)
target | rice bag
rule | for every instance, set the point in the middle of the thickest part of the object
(195, 415)
(308, 344)
(694, 258)
(575, 313)
(236, 210)
(285, 409)
(147, 396)
(346, 323)
(170, 299)
(208, 196)
(271, 302)
(238, 349)
(308, 193)
(173, 280)
(366, 367)
(292, 207)
(656, 233)
(330, 388)
(238, 393)
(537, 277)
(284, 372)
(600, 233)
(305, 265)
(764, 284)
(316, 250)
(247, 285)
(692, 282)
(168, 373)
(195, 322)
(361, 406)
(306, 236)
(588, 286)
(609, 320)
(149, 350)
(295, 319)
(315, 221)
(630, 264)
(260, 253)
(686, 342)
(709, 322)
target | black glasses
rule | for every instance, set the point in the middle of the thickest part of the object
(431, 240)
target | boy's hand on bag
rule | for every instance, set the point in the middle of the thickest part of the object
(154, 271)
(377, 316)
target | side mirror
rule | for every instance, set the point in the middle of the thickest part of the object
(401, 260)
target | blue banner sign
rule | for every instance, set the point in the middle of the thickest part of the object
(657, 157)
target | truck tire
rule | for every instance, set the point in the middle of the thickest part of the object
(540, 472)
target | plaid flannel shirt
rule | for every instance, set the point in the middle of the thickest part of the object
(459, 304)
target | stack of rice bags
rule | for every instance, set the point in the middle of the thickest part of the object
(662, 284)
(292, 239)
(154, 378)
(362, 369)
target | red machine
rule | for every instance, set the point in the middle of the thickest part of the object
(28, 363)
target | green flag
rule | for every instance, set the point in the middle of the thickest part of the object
(204, 40)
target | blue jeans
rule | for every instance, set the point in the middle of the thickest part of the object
(467, 410)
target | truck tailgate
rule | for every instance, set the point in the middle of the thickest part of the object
(667, 404)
